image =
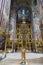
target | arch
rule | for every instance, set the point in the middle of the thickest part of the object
(25, 7)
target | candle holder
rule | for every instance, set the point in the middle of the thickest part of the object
(23, 57)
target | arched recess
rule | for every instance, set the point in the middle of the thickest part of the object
(25, 16)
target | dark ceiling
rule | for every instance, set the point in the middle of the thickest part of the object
(18, 2)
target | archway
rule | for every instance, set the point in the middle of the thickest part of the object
(24, 27)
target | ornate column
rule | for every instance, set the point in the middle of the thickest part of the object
(37, 31)
(4, 12)
(5, 22)
(13, 28)
(2, 4)
(4, 16)
(40, 5)
(36, 24)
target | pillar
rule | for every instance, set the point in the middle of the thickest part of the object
(2, 4)
(5, 11)
(36, 24)
(13, 28)
(6, 15)
(37, 31)
(40, 6)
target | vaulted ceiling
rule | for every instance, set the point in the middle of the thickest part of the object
(18, 2)
(24, 2)
(19, 5)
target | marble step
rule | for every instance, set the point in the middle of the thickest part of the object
(28, 55)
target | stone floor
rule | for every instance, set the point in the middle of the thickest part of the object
(11, 61)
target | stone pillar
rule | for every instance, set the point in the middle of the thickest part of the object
(36, 25)
(37, 31)
(40, 6)
(13, 28)
(5, 11)
(6, 14)
(2, 4)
